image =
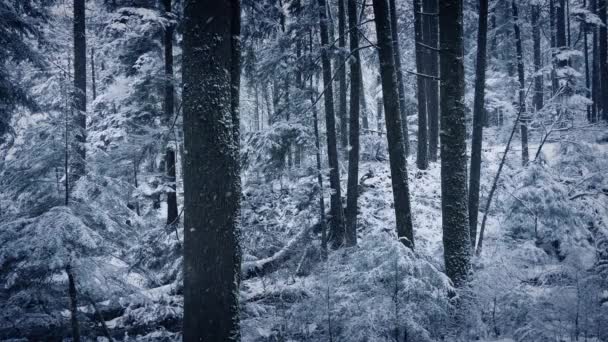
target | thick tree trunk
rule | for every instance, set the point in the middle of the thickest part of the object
(422, 160)
(342, 77)
(169, 105)
(432, 86)
(478, 118)
(603, 59)
(353, 153)
(456, 239)
(538, 63)
(337, 212)
(211, 172)
(394, 133)
(522, 84)
(80, 92)
(401, 87)
(73, 304)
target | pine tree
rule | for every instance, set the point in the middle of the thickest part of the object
(80, 91)
(422, 160)
(394, 20)
(168, 109)
(522, 83)
(394, 133)
(211, 171)
(456, 240)
(432, 86)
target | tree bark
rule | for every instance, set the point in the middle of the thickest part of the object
(337, 212)
(456, 239)
(169, 105)
(93, 84)
(522, 84)
(394, 21)
(478, 118)
(353, 153)
(342, 76)
(422, 160)
(394, 132)
(432, 86)
(73, 304)
(538, 63)
(211, 171)
(586, 56)
(603, 59)
(80, 92)
(595, 82)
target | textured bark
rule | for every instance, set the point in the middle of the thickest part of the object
(80, 92)
(432, 86)
(73, 304)
(554, 82)
(93, 81)
(538, 63)
(422, 160)
(337, 212)
(603, 59)
(394, 132)
(353, 153)
(212, 257)
(168, 109)
(522, 84)
(394, 21)
(586, 56)
(456, 241)
(478, 118)
(364, 112)
(342, 77)
(595, 82)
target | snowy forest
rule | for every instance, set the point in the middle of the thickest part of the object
(304, 170)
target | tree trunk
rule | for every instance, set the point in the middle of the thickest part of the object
(478, 118)
(586, 55)
(554, 82)
(353, 153)
(342, 76)
(595, 82)
(422, 160)
(522, 84)
(169, 105)
(211, 172)
(394, 132)
(394, 21)
(363, 102)
(93, 85)
(337, 212)
(456, 241)
(432, 86)
(603, 59)
(538, 63)
(80, 92)
(73, 304)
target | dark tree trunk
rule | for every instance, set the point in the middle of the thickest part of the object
(353, 153)
(586, 55)
(554, 82)
(73, 304)
(169, 105)
(595, 82)
(478, 118)
(211, 172)
(364, 112)
(603, 59)
(342, 76)
(394, 133)
(422, 160)
(93, 85)
(379, 107)
(394, 21)
(522, 84)
(337, 212)
(432, 86)
(560, 33)
(538, 63)
(456, 241)
(80, 91)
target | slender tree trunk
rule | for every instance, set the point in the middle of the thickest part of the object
(603, 59)
(169, 105)
(394, 133)
(560, 33)
(319, 176)
(538, 63)
(353, 153)
(342, 76)
(522, 84)
(364, 112)
(379, 107)
(422, 160)
(73, 304)
(552, 14)
(456, 239)
(432, 86)
(80, 91)
(337, 212)
(211, 172)
(93, 85)
(595, 86)
(394, 21)
(586, 55)
(478, 118)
